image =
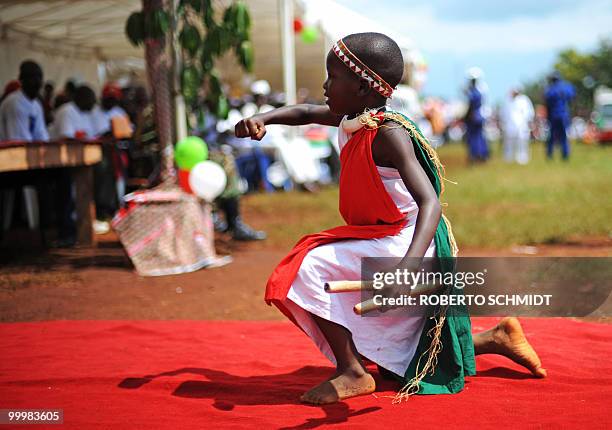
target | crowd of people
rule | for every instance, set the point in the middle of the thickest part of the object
(27, 115)
(122, 119)
(517, 120)
(30, 110)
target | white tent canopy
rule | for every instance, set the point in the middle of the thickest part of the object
(92, 27)
(332, 20)
(72, 38)
(68, 38)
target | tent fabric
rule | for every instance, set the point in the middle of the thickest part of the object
(56, 69)
(71, 38)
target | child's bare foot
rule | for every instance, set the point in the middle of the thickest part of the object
(511, 342)
(340, 386)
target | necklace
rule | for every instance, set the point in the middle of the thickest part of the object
(365, 119)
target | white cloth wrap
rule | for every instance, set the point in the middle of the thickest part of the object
(389, 339)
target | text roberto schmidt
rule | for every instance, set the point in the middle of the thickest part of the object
(464, 300)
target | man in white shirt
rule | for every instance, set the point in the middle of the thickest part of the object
(81, 119)
(22, 119)
(517, 116)
(21, 113)
(77, 119)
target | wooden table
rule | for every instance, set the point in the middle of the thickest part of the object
(77, 156)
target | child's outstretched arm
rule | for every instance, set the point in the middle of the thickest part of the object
(392, 148)
(255, 127)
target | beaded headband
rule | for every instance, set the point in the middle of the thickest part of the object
(356, 65)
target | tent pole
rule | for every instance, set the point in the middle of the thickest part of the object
(158, 71)
(288, 49)
(180, 112)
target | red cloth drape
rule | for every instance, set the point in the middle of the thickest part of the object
(365, 205)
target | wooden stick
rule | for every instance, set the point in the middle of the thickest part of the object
(365, 307)
(347, 286)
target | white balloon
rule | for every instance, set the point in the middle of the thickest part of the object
(207, 180)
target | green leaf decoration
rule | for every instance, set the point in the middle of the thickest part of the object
(229, 18)
(208, 14)
(196, 5)
(245, 55)
(225, 39)
(213, 40)
(222, 107)
(156, 24)
(191, 81)
(190, 39)
(206, 61)
(135, 29)
(214, 85)
(200, 46)
(242, 20)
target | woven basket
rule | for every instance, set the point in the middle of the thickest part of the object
(167, 231)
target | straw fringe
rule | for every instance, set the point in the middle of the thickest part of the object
(435, 333)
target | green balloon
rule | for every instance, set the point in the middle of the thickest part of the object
(189, 152)
(310, 35)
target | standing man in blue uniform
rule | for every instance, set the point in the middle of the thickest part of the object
(558, 95)
(474, 120)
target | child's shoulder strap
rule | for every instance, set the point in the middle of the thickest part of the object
(430, 161)
(427, 156)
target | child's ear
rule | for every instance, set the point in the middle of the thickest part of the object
(364, 88)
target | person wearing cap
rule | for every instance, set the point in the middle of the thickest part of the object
(111, 102)
(474, 120)
(109, 111)
(558, 96)
(110, 175)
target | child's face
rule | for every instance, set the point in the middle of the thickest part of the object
(341, 87)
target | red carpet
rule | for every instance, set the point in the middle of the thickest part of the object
(200, 375)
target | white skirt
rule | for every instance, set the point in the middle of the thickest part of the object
(388, 339)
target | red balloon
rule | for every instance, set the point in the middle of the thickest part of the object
(183, 180)
(298, 25)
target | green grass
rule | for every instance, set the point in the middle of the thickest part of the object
(499, 204)
(286, 217)
(492, 205)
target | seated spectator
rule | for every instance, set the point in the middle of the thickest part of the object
(21, 113)
(76, 119)
(110, 175)
(111, 101)
(22, 119)
(229, 201)
(67, 95)
(47, 101)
